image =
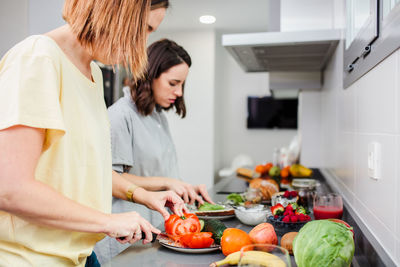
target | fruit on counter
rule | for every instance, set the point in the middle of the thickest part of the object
(292, 213)
(268, 166)
(278, 209)
(261, 169)
(256, 258)
(188, 223)
(274, 171)
(285, 173)
(290, 194)
(298, 170)
(235, 198)
(323, 243)
(247, 173)
(267, 186)
(287, 241)
(264, 233)
(343, 222)
(197, 240)
(233, 240)
(208, 206)
(216, 227)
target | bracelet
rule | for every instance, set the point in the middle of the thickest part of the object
(129, 192)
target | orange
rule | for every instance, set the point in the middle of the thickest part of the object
(233, 240)
(260, 169)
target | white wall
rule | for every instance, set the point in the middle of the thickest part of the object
(194, 135)
(13, 23)
(307, 14)
(232, 135)
(45, 15)
(350, 119)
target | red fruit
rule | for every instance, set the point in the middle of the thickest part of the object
(276, 216)
(293, 194)
(293, 218)
(264, 233)
(289, 207)
(286, 219)
(308, 218)
(301, 217)
(286, 194)
(277, 209)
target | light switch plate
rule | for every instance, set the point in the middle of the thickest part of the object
(374, 160)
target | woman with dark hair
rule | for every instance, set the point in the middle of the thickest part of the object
(142, 148)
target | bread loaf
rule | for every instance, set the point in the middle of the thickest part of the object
(267, 186)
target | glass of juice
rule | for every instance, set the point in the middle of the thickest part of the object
(328, 206)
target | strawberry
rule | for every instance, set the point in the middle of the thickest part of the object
(293, 218)
(286, 219)
(278, 209)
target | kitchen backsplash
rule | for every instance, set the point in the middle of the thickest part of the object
(338, 124)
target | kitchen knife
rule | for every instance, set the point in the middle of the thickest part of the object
(154, 238)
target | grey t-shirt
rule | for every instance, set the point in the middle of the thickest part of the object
(142, 145)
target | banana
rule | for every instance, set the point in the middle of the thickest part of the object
(258, 258)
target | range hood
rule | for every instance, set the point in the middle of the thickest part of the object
(304, 51)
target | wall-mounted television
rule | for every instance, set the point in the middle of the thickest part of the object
(270, 113)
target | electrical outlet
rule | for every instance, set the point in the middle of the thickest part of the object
(374, 160)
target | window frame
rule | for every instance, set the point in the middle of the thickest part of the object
(387, 42)
(360, 46)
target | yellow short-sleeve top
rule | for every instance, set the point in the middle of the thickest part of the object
(40, 87)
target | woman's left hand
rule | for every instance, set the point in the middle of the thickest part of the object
(188, 192)
(159, 200)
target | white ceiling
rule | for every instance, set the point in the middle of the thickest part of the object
(232, 15)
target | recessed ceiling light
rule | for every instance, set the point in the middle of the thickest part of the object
(207, 19)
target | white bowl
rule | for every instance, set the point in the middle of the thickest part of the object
(253, 215)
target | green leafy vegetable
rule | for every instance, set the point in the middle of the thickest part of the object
(323, 243)
(235, 198)
(208, 206)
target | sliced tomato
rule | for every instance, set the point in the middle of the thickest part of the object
(188, 223)
(197, 240)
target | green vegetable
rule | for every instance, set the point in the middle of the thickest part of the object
(208, 206)
(323, 243)
(235, 198)
(201, 224)
(216, 227)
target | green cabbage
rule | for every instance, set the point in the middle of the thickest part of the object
(323, 243)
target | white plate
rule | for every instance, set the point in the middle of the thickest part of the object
(168, 243)
(219, 217)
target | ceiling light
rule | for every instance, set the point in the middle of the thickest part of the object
(207, 19)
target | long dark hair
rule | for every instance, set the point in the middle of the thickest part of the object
(162, 55)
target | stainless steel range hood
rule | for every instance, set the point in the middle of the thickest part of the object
(282, 51)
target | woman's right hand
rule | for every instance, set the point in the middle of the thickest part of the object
(128, 227)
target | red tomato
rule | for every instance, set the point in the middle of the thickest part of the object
(188, 223)
(197, 240)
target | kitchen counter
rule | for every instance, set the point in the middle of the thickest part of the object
(156, 255)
